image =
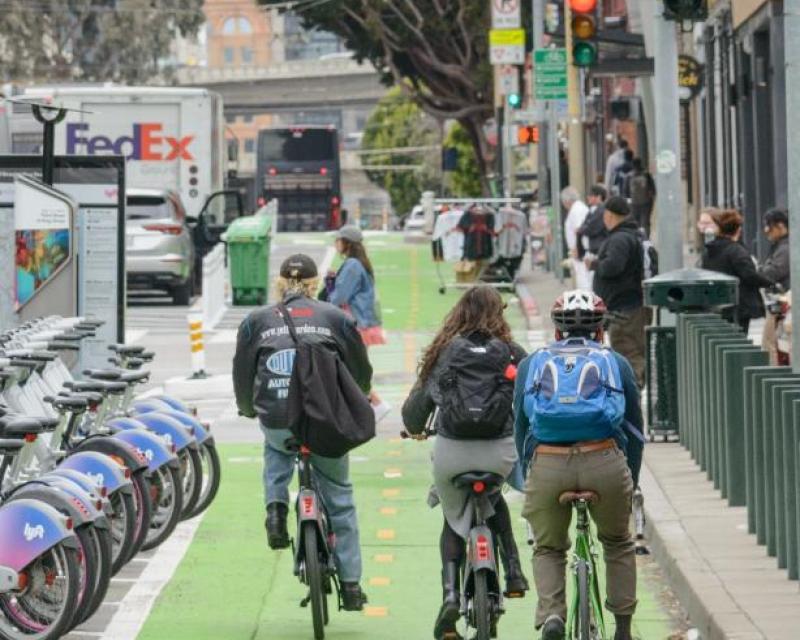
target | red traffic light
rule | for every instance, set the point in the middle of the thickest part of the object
(582, 6)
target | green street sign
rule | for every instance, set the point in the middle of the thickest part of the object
(550, 74)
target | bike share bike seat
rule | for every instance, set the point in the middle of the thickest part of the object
(98, 386)
(10, 446)
(15, 425)
(117, 375)
(126, 349)
(569, 497)
(468, 479)
(63, 404)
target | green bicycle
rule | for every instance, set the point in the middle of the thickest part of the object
(585, 614)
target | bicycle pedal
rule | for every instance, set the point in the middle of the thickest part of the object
(514, 594)
(304, 602)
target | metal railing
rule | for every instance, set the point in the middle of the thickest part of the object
(740, 419)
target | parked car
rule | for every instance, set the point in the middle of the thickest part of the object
(159, 250)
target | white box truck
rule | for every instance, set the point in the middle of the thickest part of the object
(173, 138)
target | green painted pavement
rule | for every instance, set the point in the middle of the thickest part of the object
(231, 586)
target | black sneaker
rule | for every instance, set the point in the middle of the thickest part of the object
(353, 598)
(277, 533)
(553, 629)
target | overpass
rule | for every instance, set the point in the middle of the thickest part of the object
(302, 85)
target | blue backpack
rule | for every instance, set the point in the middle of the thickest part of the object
(573, 392)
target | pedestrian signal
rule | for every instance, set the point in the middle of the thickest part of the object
(528, 135)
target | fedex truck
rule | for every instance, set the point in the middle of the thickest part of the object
(173, 138)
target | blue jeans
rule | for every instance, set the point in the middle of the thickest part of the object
(332, 480)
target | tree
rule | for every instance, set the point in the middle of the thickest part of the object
(465, 181)
(92, 40)
(397, 122)
(435, 50)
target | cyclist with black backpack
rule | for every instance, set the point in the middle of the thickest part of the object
(578, 427)
(264, 374)
(466, 382)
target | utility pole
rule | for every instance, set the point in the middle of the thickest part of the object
(577, 177)
(791, 21)
(670, 201)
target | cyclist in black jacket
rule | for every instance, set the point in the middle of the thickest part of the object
(262, 369)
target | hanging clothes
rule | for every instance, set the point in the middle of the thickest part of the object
(478, 226)
(448, 238)
(512, 232)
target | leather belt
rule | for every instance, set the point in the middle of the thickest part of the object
(578, 447)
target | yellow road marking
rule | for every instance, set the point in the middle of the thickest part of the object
(379, 581)
(388, 511)
(386, 534)
(394, 453)
(393, 472)
(396, 440)
(384, 558)
(410, 352)
(376, 612)
(390, 493)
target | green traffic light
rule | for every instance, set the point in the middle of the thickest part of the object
(514, 100)
(584, 54)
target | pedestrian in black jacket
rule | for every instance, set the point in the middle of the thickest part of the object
(262, 370)
(618, 273)
(726, 254)
(776, 268)
(592, 233)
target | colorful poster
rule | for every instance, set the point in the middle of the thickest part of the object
(42, 238)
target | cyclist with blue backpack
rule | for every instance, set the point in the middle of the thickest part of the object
(578, 426)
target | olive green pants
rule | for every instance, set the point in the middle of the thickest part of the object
(627, 337)
(606, 473)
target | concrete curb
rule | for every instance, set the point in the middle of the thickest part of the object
(529, 306)
(711, 608)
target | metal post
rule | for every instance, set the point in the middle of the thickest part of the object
(791, 39)
(555, 190)
(670, 202)
(577, 170)
(49, 117)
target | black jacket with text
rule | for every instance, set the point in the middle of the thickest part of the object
(262, 366)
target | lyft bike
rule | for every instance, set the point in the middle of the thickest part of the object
(313, 545)
(585, 612)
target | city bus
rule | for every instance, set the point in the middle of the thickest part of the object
(299, 165)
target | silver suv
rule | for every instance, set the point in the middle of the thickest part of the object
(159, 251)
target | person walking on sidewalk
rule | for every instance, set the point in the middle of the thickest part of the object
(262, 369)
(561, 457)
(352, 288)
(576, 214)
(641, 190)
(776, 268)
(618, 273)
(471, 362)
(726, 254)
(614, 162)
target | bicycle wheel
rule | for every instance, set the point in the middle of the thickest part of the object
(166, 491)
(123, 528)
(584, 605)
(192, 476)
(102, 547)
(211, 478)
(144, 511)
(481, 607)
(314, 578)
(44, 610)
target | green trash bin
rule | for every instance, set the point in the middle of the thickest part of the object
(248, 239)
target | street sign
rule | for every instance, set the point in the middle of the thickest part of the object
(690, 77)
(509, 79)
(550, 73)
(507, 46)
(528, 116)
(506, 14)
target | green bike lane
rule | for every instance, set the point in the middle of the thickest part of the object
(230, 585)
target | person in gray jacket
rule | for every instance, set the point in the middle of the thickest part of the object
(776, 268)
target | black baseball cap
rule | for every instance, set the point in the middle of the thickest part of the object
(298, 267)
(618, 206)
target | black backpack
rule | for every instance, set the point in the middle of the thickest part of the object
(476, 391)
(327, 411)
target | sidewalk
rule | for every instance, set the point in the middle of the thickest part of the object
(727, 584)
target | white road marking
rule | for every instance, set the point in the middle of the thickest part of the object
(138, 602)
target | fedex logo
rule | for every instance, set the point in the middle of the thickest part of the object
(146, 143)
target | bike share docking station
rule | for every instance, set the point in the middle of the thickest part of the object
(62, 237)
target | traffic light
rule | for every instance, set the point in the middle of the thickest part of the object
(528, 134)
(514, 100)
(686, 10)
(584, 32)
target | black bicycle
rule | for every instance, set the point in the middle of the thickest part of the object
(313, 545)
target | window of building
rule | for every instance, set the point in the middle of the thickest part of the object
(247, 118)
(247, 55)
(229, 118)
(240, 25)
(250, 145)
(228, 55)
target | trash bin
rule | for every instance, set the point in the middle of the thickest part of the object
(248, 240)
(679, 291)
